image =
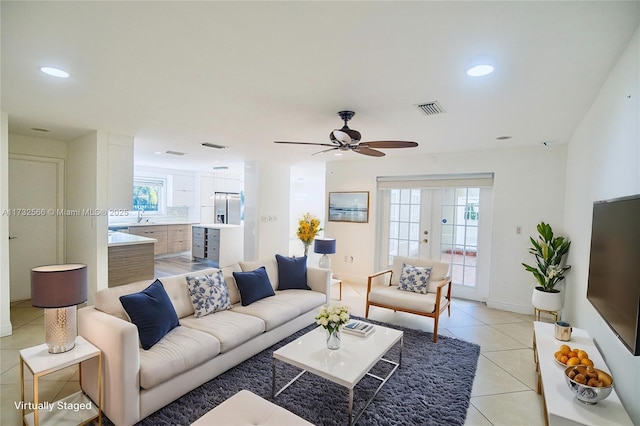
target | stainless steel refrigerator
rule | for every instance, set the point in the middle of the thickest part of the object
(227, 208)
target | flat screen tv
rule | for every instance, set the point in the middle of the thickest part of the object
(614, 267)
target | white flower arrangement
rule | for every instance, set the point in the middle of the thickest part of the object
(332, 317)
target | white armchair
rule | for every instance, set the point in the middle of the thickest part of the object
(431, 304)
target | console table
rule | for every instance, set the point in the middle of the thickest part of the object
(561, 408)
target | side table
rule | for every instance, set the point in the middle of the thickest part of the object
(74, 409)
(335, 281)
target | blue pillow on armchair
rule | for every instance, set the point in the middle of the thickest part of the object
(253, 285)
(292, 273)
(152, 312)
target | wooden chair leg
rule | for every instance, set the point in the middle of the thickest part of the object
(435, 329)
(366, 310)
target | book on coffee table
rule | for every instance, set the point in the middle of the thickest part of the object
(358, 328)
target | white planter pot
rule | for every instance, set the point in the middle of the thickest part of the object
(547, 301)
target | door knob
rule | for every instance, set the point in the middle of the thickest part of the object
(426, 232)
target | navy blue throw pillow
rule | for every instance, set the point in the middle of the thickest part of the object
(253, 285)
(152, 312)
(292, 273)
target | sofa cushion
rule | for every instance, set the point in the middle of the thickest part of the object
(152, 312)
(229, 327)
(253, 285)
(285, 306)
(292, 273)
(390, 296)
(180, 350)
(414, 278)
(208, 293)
(269, 264)
(232, 287)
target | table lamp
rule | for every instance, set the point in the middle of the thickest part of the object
(325, 246)
(58, 289)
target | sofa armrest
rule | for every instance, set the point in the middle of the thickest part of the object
(319, 279)
(118, 341)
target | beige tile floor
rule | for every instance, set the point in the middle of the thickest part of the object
(503, 391)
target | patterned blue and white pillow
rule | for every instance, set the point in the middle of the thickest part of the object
(414, 278)
(209, 294)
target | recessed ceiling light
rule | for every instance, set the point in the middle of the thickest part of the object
(338, 154)
(158, 153)
(480, 70)
(54, 72)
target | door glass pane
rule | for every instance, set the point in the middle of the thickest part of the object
(394, 196)
(415, 196)
(415, 213)
(404, 212)
(404, 231)
(405, 196)
(414, 231)
(459, 233)
(414, 249)
(394, 212)
(393, 230)
(404, 222)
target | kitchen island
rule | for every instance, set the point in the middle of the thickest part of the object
(131, 258)
(220, 244)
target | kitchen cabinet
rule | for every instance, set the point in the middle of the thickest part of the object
(159, 232)
(178, 238)
(182, 191)
(221, 245)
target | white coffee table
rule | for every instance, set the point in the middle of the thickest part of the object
(345, 366)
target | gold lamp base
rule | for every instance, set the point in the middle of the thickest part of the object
(61, 329)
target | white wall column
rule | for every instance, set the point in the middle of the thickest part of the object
(267, 190)
(5, 320)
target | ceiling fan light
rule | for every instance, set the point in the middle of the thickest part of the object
(480, 70)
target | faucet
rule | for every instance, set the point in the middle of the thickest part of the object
(140, 211)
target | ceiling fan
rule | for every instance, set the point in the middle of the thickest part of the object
(346, 139)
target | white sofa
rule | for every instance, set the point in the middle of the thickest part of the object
(138, 382)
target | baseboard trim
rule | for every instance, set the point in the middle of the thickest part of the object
(6, 330)
(351, 278)
(520, 309)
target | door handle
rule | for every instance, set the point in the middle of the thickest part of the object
(12, 238)
(425, 241)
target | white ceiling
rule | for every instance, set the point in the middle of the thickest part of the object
(243, 74)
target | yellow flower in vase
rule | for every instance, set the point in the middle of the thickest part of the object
(308, 229)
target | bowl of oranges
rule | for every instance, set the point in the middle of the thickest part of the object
(567, 356)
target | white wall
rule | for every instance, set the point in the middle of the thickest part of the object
(5, 319)
(604, 162)
(267, 190)
(307, 195)
(528, 188)
(86, 188)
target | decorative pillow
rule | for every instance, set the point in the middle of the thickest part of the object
(414, 278)
(253, 285)
(292, 273)
(152, 312)
(208, 293)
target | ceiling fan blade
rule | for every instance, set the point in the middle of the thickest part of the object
(308, 143)
(389, 144)
(342, 137)
(368, 151)
(324, 150)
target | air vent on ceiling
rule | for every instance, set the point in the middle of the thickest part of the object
(431, 108)
(213, 145)
(175, 152)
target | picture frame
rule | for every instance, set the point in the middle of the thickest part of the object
(349, 206)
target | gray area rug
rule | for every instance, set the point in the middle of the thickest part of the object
(432, 387)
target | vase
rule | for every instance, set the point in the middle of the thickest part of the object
(547, 301)
(333, 339)
(306, 249)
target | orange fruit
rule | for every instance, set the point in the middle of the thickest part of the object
(563, 359)
(587, 362)
(557, 354)
(582, 354)
(573, 361)
(572, 354)
(565, 349)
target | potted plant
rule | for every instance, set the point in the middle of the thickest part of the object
(549, 252)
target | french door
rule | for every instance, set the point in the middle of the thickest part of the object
(437, 223)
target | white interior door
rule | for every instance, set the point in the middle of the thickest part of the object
(35, 229)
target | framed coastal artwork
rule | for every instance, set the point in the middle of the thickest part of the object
(352, 206)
